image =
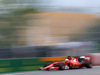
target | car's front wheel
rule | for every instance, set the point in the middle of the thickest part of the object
(61, 66)
(47, 64)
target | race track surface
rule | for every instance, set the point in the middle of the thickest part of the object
(94, 71)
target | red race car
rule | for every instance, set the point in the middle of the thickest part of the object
(69, 63)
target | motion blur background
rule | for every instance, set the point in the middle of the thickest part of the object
(49, 28)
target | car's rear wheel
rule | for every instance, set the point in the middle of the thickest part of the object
(88, 64)
(61, 66)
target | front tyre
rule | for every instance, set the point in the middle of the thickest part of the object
(61, 66)
(47, 64)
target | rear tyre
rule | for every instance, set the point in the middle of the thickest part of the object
(61, 66)
(88, 64)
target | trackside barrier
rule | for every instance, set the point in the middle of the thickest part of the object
(17, 65)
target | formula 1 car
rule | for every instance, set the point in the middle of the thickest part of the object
(69, 63)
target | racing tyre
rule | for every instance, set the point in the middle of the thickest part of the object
(69, 66)
(61, 66)
(88, 64)
(47, 64)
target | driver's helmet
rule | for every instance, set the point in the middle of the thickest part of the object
(82, 57)
(66, 60)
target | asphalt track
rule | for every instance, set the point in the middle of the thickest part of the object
(94, 71)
